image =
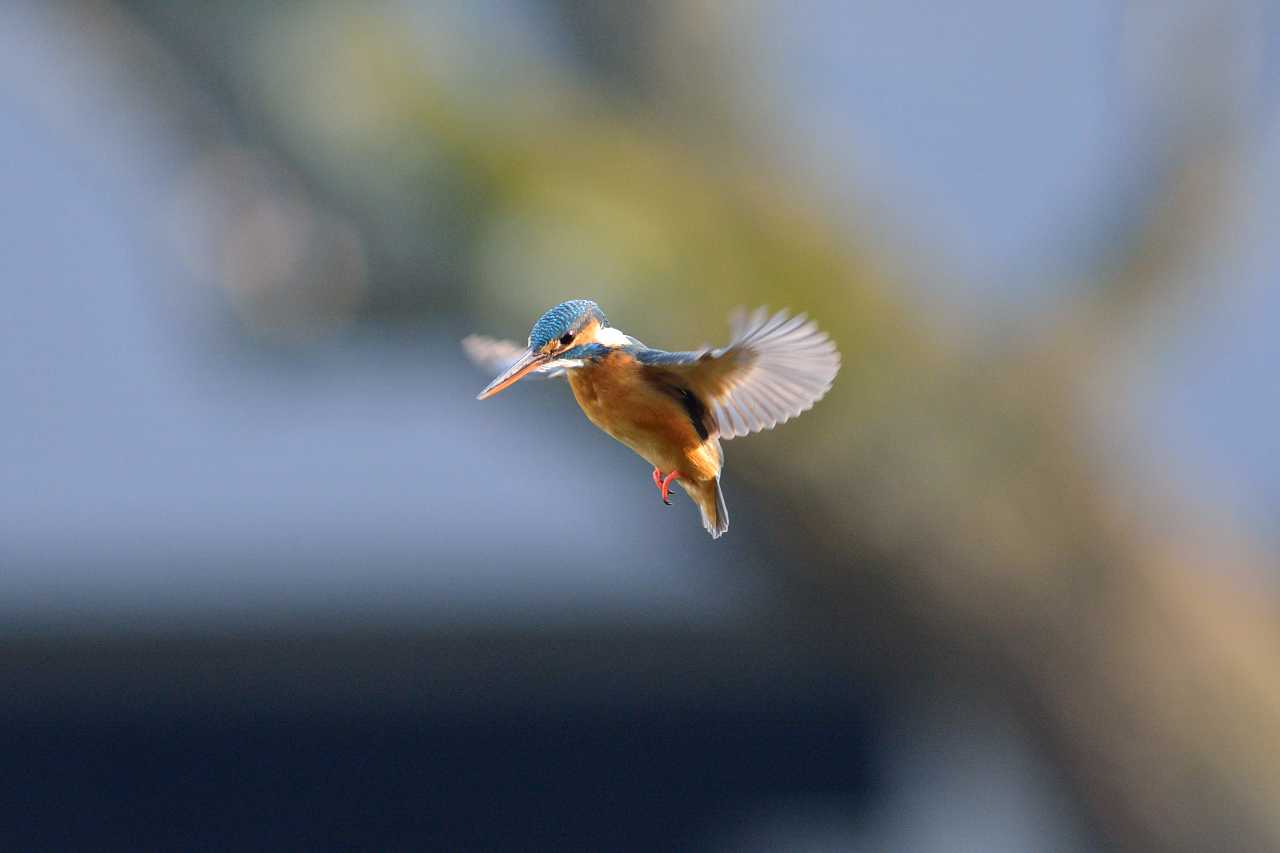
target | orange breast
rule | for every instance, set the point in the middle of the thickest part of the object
(617, 397)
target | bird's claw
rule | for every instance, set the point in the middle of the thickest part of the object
(664, 484)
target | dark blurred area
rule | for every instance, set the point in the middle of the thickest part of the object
(271, 578)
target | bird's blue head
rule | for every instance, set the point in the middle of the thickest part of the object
(569, 326)
(563, 324)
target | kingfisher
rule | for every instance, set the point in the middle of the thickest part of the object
(673, 408)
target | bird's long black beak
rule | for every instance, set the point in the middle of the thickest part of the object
(526, 364)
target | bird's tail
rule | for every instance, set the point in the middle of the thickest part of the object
(710, 500)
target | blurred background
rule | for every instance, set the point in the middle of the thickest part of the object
(269, 578)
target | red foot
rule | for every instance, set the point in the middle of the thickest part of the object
(666, 486)
(657, 478)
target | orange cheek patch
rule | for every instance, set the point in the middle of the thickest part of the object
(585, 335)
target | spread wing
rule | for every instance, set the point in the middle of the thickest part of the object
(496, 356)
(775, 367)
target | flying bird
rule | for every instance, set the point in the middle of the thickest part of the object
(673, 408)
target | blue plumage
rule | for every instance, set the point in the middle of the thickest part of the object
(661, 358)
(562, 319)
(586, 352)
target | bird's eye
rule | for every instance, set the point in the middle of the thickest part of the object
(566, 339)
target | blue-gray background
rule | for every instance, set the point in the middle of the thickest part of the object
(241, 242)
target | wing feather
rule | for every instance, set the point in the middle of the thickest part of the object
(775, 367)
